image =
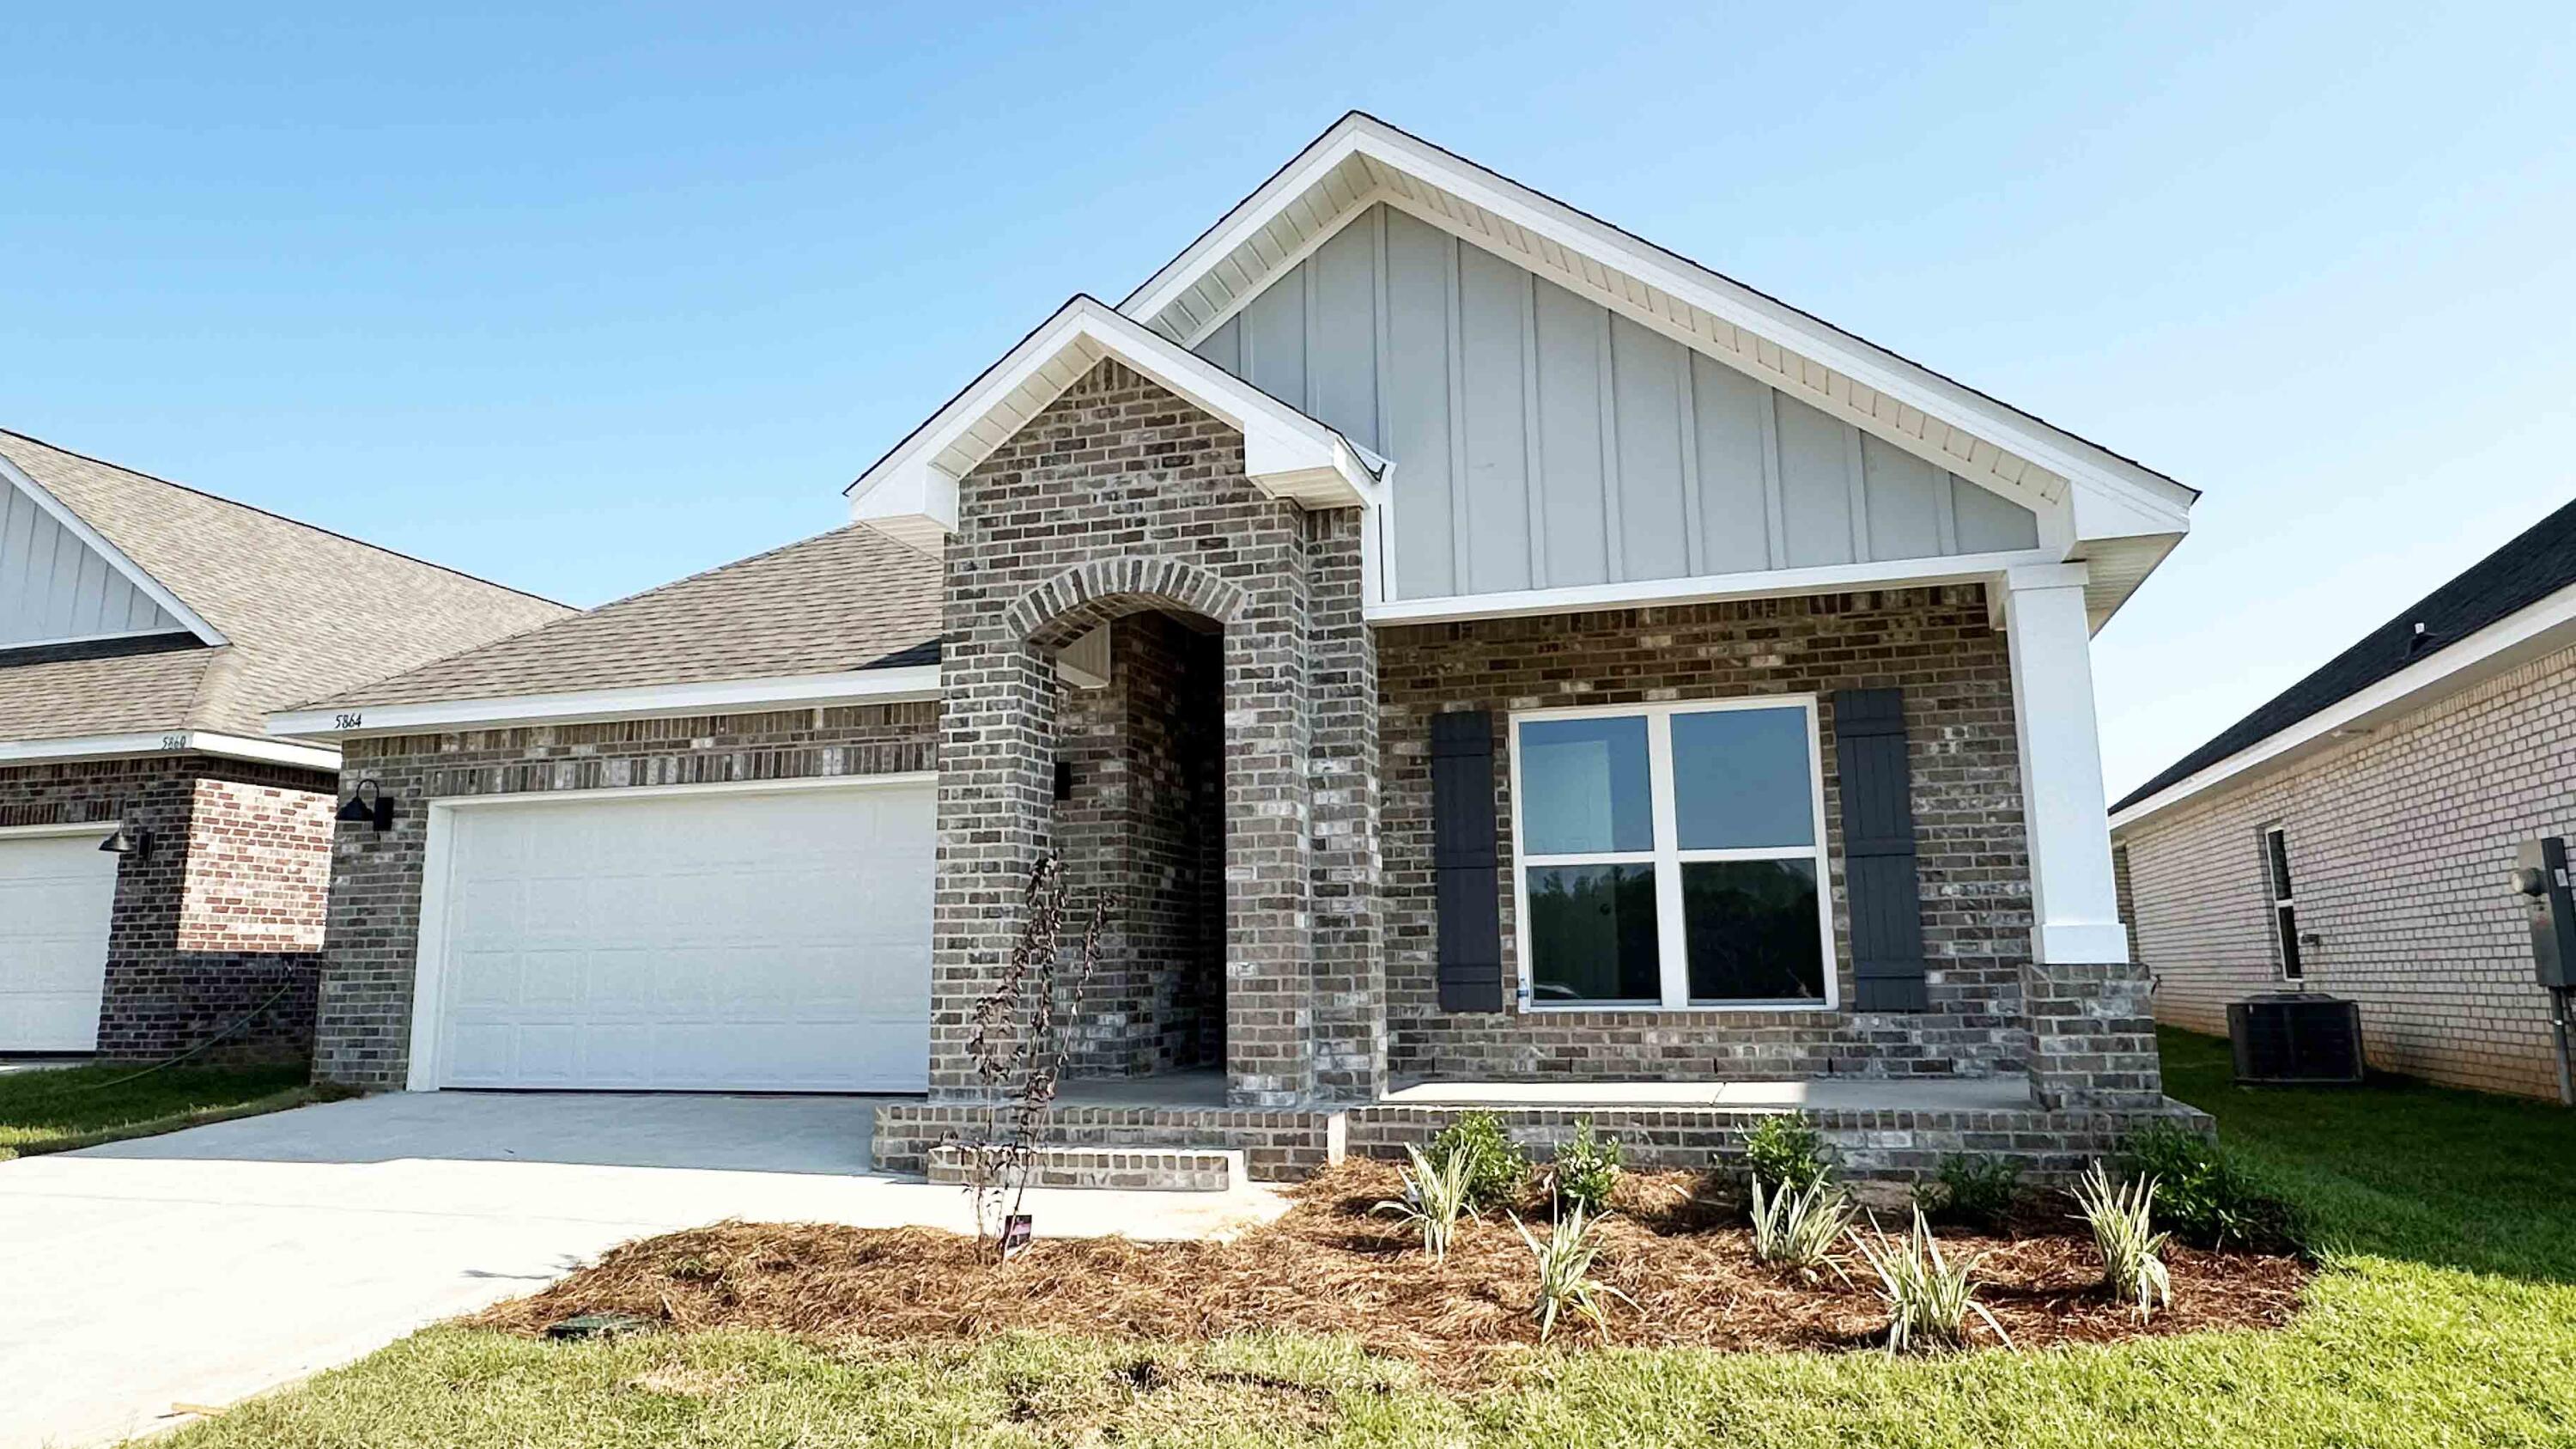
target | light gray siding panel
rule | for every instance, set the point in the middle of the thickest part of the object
(1906, 498)
(55, 587)
(1726, 408)
(1542, 441)
(1654, 533)
(1418, 261)
(1341, 356)
(1569, 430)
(1224, 346)
(1274, 340)
(1815, 486)
(1989, 523)
(1492, 294)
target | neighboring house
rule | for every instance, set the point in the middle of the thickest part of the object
(145, 629)
(1469, 645)
(2354, 835)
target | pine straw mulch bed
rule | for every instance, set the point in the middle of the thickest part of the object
(1331, 1266)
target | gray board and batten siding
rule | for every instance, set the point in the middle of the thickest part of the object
(1542, 441)
(55, 587)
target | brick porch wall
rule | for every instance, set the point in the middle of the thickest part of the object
(181, 968)
(2399, 843)
(363, 1036)
(1934, 644)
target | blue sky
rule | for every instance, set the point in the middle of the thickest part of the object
(588, 299)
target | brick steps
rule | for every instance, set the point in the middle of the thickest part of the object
(1128, 1169)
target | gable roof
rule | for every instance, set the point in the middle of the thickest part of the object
(843, 601)
(286, 610)
(2125, 516)
(910, 494)
(2435, 637)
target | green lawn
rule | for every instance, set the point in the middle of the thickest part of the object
(2446, 1316)
(58, 1109)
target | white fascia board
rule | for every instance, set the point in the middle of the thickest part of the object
(1286, 453)
(171, 742)
(857, 686)
(2086, 465)
(171, 604)
(2541, 628)
(1713, 588)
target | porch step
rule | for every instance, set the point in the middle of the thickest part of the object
(1128, 1169)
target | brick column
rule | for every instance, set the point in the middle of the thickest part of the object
(2092, 1037)
(1350, 1033)
(996, 795)
(1269, 1001)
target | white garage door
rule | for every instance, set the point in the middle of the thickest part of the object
(56, 892)
(690, 941)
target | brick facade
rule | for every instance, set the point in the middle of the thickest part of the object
(1119, 499)
(2398, 842)
(213, 933)
(363, 1035)
(1934, 644)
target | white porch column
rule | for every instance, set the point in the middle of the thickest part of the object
(2075, 911)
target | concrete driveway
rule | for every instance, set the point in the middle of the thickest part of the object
(206, 1265)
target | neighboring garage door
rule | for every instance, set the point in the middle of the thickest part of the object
(56, 893)
(688, 940)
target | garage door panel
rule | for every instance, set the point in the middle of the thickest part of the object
(744, 941)
(57, 893)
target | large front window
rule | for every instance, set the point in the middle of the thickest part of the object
(1672, 856)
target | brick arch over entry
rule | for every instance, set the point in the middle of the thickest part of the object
(1073, 602)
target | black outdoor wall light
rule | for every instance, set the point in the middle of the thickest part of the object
(129, 840)
(369, 802)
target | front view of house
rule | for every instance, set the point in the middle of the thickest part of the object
(1480, 656)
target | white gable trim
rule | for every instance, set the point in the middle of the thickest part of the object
(911, 493)
(78, 527)
(1812, 361)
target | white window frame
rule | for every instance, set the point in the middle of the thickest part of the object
(1668, 858)
(2285, 946)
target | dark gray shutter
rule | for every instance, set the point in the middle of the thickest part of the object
(1878, 850)
(1463, 862)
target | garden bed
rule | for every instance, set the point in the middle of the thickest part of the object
(1332, 1266)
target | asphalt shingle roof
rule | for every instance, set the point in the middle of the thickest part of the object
(305, 610)
(2533, 566)
(844, 600)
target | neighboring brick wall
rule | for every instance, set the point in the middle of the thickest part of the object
(259, 868)
(2399, 843)
(1120, 498)
(169, 989)
(1934, 644)
(364, 1034)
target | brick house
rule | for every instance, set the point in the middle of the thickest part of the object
(2354, 835)
(145, 629)
(1483, 657)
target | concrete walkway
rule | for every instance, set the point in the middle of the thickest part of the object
(205, 1265)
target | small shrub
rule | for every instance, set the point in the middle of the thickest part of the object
(1799, 1229)
(1786, 1152)
(2204, 1195)
(1435, 1199)
(1494, 1164)
(2121, 1217)
(1978, 1191)
(1587, 1168)
(1928, 1297)
(1565, 1282)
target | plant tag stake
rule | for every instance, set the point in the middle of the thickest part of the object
(1017, 1230)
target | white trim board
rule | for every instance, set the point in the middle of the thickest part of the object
(100, 828)
(2114, 496)
(910, 494)
(429, 970)
(72, 523)
(2537, 629)
(1711, 588)
(856, 686)
(172, 742)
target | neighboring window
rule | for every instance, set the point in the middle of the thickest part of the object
(2285, 901)
(1672, 855)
